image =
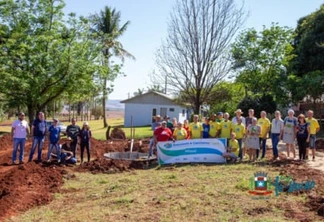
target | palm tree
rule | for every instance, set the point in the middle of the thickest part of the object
(108, 30)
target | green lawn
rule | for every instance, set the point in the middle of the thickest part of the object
(184, 193)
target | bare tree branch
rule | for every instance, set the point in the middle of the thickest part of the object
(193, 57)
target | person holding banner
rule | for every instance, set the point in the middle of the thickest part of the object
(179, 133)
(232, 149)
(195, 128)
(162, 133)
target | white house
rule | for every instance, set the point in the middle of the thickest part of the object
(147, 105)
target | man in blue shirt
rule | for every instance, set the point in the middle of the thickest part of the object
(38, 132)
(54, 137)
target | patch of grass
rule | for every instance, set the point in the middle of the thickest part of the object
(186, 193)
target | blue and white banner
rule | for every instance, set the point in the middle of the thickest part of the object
(190, 151)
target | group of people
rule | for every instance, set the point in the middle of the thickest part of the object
(40, 131)
(244, 134)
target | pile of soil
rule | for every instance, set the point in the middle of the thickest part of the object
(103, 165)
(25, 186)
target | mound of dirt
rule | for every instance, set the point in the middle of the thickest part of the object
(110, 166)
(6, 141)
(117, 133)
(26, 186)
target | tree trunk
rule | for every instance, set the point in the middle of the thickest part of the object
(69, 111)
(104, 96)
(31, 115)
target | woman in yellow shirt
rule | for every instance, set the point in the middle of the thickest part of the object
(179, 133)
(239, 130)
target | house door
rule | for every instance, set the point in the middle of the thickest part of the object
(163, 112)
(153, 114)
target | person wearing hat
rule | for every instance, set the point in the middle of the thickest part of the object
(85, 135)
(19, 132)
(238, 115)
(157, 122)
(54, 138)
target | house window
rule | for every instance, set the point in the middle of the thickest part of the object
(171, 109)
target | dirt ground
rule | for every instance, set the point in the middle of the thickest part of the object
(25, 186)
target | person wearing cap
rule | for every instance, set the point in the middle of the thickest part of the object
(195, 128)
(162, 134)
(264, 123)
(157, 123)
(73, 132)
(289, 133)
(19, 132)
(38, 132)
(54, 138)
(238, 115)
(85, 135)
(220, 117)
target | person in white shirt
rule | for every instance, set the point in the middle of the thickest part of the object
(19, 132)
(238, 114)
(277, 126)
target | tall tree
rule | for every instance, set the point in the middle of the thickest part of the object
(43, 55)
(260, 60)
(107, 26)
(193, 58)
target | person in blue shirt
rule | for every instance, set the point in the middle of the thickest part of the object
(85, 135)
(206, 128)
(38, 132)
(54, 138)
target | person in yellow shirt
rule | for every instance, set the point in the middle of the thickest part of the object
(214, 127)
(314, 128)
(239, 130)
(264, 123)
(179, 133)
(195, 128)
(226, 127)
(232, 151)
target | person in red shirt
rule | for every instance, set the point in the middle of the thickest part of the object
(162, 133)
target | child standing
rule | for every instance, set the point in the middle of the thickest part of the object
(206, 128)
(252, 140)
(85, 135)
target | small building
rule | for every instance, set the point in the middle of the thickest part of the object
(144, 107)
